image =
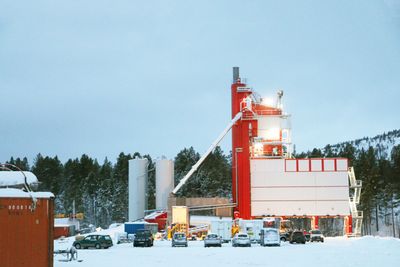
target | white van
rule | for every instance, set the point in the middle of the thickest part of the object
(270, 237)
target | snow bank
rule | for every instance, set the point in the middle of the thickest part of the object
(18, 193)
(12, 178)
(365, 252)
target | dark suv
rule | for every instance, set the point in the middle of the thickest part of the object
(94, 241)
(297, 237)
(143, 238)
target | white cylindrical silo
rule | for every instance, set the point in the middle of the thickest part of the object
(164, 182)
(137, 188)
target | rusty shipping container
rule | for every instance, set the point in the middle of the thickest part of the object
(26, 228)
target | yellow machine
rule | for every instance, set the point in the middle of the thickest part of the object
(235, 228)
(180, 221)
(177, 228)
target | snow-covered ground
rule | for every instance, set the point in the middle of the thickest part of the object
(340, 251)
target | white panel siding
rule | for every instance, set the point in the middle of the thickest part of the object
(331, 179)
(332, 208)
(300, 208)
(276, 192)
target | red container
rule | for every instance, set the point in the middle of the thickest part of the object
(26, 228)
(157, 217)
(61, 230)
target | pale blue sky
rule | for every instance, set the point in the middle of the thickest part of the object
(101, 77)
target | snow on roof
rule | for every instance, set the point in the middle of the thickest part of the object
(154, 215)
(18, 193)
(139, 222)
(10, 178)
(62, 225)
(61, 221)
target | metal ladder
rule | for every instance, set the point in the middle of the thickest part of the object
(356, 214)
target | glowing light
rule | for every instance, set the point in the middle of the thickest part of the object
(273, 134)
(269, 102)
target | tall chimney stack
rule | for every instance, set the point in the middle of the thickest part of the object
(235, 74)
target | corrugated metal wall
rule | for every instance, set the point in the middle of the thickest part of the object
(26, 237)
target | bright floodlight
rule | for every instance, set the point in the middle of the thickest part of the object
(267, 101)
(273, 134)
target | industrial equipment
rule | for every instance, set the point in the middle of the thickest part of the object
(266, 180)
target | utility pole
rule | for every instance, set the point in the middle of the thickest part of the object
(393, 222)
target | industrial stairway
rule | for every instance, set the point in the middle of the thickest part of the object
(356, 214)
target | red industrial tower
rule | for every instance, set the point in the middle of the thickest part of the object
(268, 181)
(242, 132)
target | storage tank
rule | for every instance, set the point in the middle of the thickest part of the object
(137, 188)
(164, 182)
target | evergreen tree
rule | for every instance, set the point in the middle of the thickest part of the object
(316, 153)
(120, 181)
(349, 152)
(151, 183)
(20, 163)
(105, 193)
(216, 175)
(328, 152)
(50, 174)
(184, 161)
(395, 166)
(73, 189)
(213, 177)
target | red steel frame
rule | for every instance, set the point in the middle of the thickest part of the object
(240, 141)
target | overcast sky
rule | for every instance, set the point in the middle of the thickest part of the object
(102, 77)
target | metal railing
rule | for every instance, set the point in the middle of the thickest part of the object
(356, 214)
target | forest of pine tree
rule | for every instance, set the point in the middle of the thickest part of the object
(100, 190)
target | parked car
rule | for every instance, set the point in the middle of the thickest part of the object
(316, 235)
(179, 239)
(270, 237)
(297, 237)
(143, 238)
(212, 240)
(94, 241)
(241, 240)
(286, 236)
